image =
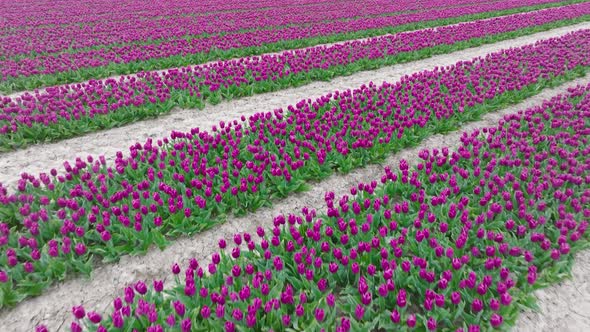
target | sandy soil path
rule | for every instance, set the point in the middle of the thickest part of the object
(565, 306)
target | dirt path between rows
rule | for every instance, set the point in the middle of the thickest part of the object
(565, 306)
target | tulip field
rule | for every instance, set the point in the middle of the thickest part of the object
(36, 55)
(457, 237)
(77, 109)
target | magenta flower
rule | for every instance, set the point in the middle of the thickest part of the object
(175, 268)
(78, 312)
(250, 320)
(105, 236)
(185, 325)
(477, 305)
(158, 285)
(118, 304)
(494, 304)
(220, 311)
(496, 320)
(189, 288)
(222, 244)
(141, 287)
(117, 319)
(235, 253)
(94, 317)
(75, 327)
(229, 326)
(237, 239)
(299, 310)
(179, 308)
(171, 320)
(286, 320)
(205, 312)
(80, 249)
(401, 298)
(359, 312)
(431, 324)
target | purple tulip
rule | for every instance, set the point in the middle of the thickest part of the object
(158, 285)
(78, 312)
(185, 325)
(205, 312)
(299, 310)
(431, 324)
(117, 319)
(496, 320)
(359, 312)
(171, 320)
(229, 326)
(75, 327)
(179, 308)
(319, 314)
(286, 320)
(94, 317)
(477, 305)
(175, 268)
(401, 298)
(80, 249)
(140, 287)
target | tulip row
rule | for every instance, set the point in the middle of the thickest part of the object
(57, 224)
(457, 243)
(51, 69)
(67, 111)
(27, 39)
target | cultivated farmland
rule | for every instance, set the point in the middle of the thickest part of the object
(294, 165)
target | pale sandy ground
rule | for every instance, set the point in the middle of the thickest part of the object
(564, 307)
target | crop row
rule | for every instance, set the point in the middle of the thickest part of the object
(60, 223)
(66, 111)
(199, 21)
(85, 16)
(51, 69)
(66, 13)
(457, 243)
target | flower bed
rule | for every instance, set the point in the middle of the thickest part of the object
(135, 23)
(67, 111)
(29, 72)
(59, 223)
(457, 243)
